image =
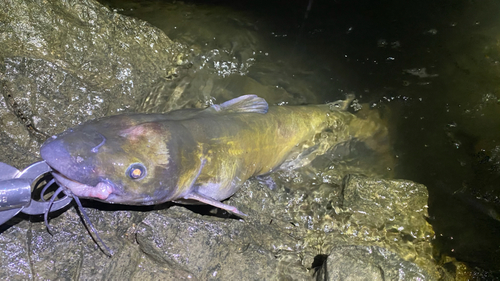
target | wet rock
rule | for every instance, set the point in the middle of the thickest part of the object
(392, 214)
(389, 214)
(76, 57)
(368, 263)
(229, 43)
(181, 242)
(208, 247)
(14, 252)
(55, 255)
(398, 206)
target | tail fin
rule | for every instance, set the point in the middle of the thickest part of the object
(370, 129)
(354, 142)
(358, 142)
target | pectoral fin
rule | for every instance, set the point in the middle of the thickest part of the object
(267, 181)
(195, 196)
(212, 202)
(303, 158)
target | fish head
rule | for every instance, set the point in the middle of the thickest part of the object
(115, 160)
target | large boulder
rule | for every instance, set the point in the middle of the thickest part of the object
(65, 62)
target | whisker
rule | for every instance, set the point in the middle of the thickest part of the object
(42, 195)
(46, 214)
(108, 251)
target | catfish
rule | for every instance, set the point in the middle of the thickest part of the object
(190, 155)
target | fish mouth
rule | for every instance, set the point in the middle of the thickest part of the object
(100, 191)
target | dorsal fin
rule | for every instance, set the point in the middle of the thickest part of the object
(243, 104)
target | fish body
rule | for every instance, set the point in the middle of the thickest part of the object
(186, 155)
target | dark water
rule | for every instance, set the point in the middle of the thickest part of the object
(433, 67)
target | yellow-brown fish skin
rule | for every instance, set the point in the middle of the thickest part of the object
(202, 155)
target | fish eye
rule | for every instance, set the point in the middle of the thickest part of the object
(136, 171)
